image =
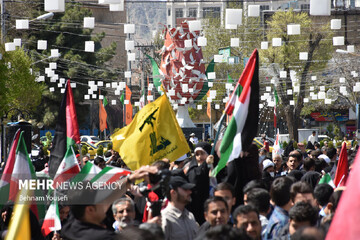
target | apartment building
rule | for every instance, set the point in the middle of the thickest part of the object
(179, 10)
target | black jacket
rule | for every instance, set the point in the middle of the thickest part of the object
(77, 230)
(198, 175)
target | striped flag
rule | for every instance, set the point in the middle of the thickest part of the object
(245, 110)
(110, 175)
(9, 168)
(68, 168)
(24, 170)
(66, 131)
(52, 219)
(89, 171)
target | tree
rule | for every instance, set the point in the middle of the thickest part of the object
(343, 87)
(219, 38)
(311, 40)
(66, 33)
(18, 88)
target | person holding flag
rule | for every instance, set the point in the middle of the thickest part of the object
(236, 143)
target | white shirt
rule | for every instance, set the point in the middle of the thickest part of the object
(312, 139)
(194, 140)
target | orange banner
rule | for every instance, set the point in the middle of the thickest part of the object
(129, 108)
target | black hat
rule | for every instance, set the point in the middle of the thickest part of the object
(177, 181)
(203, 146)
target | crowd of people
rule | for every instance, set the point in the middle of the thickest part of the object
(256, 196)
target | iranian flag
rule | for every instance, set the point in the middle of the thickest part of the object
(9, 167)
(68, 168)
(52, 219)
(110, 175)
(24, 170)
(66, 131)
(88, 172)
(244, 106)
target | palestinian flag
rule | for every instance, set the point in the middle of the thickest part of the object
(9, 167)
(342, 169)
(24, 170)
(66, 131)
(102, 114)
(52, 219)
(68, 168)
(326, 179)
(245, 110)
(88, 172)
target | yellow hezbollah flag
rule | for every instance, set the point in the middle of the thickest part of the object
(19, 228)
(153, 134)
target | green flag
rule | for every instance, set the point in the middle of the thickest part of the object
(105, 102)
(276, 97)
(326, 179)
(156, 73)
(122, 97)
(230, 80)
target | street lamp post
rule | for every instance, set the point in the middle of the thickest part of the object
(3, 20)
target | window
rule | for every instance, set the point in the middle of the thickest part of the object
(169, 12)
(305, 7)
(264, 7)
(211, 12)
(179, 13)
(192, 12)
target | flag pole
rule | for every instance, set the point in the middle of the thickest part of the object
(218, 132)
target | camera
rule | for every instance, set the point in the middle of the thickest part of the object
(160, 182)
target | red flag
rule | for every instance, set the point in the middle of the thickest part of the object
(102, 116)
(342, 167)
(347, 216)
(129, 108)
(66, 131)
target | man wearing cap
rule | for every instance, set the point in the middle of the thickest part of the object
(177, 221)
(194, 139)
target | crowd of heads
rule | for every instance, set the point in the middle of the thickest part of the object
(258, 195)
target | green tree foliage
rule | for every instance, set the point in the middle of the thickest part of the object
(314, 39)
(100, 151)
(18, 88)
(218, 37)
(65, 32)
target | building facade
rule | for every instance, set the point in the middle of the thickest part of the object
(178, 11)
